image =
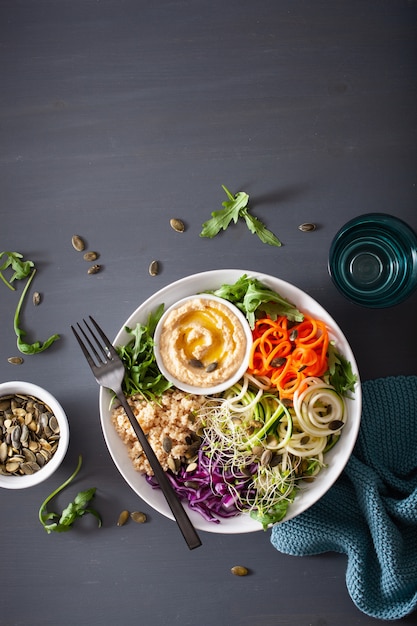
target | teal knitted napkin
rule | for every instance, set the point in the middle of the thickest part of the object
(370, 513)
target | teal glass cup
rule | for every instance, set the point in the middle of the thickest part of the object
(373, 260)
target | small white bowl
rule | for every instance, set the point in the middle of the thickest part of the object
(30, 389)
(224, 384)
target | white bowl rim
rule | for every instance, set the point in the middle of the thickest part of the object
(31, 389)
(226, 383)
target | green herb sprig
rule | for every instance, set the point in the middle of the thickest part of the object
(21, 269)
(234, 208)
(37, 346)
(73, 511)
(340, 373)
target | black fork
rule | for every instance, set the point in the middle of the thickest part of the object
(109, 371)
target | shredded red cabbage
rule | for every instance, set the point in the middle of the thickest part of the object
(209, 489)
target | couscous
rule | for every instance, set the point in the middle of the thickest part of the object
(169, 425)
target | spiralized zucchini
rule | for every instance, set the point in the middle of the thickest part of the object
(264, 446)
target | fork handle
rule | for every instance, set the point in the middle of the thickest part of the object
(183, 521)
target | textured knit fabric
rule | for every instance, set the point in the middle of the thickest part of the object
(370, 513)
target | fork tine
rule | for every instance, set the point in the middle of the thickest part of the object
(107, 342)
(102, 349)
(82, 346)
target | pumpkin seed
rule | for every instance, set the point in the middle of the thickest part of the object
(153, 268)
(12, 466)
(266, 457)
(177, 225)
(90, 256)
(138, 517)
(307, 227)
(211, 367)
(195, 363)
(78, 243)
(123, 517)
(278, 361)
(239, 570)
(15, 360)
(167, 444)
(94, 269)
(257, 451)
(36, 298)
(26, 440)
(173, 464)
(336, 425)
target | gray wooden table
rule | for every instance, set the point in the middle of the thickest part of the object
(117, 115)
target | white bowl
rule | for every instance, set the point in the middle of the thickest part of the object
(224, 384)
(336, 458)
(29, 389)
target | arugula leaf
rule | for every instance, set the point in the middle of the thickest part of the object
(141, 371)
(258, 228)
(37, 346)
(234, 208)
(340, 373)
(20, 267)
(73, 511)
(221, 219)
(250, 295)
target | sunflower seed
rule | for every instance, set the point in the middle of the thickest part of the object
(78, 243)
(94, 269)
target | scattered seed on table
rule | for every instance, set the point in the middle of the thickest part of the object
(239, 570)
(90, 256)
(78, 243)
(36, 298)
(177, 225)
(138, 517)
(94, 269)
(154, 268)
(123, 517)
(307, 227)
(15, 360)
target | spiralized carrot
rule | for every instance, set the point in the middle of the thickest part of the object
(288, 353)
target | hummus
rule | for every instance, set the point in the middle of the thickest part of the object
(202, 342)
